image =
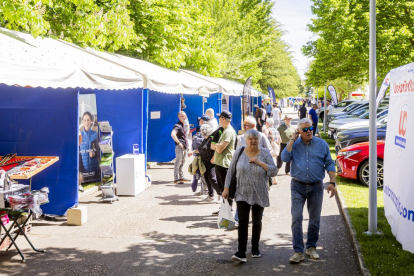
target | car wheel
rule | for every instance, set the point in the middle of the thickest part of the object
(363, 174)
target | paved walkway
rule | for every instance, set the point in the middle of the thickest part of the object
(167, 231)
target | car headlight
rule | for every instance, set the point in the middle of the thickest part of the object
(348, 154)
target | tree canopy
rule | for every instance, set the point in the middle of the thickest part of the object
(341, 50)
(233, 39)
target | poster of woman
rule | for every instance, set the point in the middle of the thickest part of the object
(89, 153)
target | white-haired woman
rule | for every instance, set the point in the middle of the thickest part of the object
(254, 167)
(207, 154)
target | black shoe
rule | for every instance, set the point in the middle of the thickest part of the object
(256, 254)
(216, 213)
(239, 257)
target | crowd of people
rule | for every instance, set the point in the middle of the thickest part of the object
(254, 158)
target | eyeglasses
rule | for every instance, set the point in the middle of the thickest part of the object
(305, 129)
(246, 125)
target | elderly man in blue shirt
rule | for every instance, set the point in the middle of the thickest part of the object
(310, 157)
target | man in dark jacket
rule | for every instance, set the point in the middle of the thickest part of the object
(179, 135)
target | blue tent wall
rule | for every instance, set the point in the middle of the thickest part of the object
(194, 108)
(161, 147)
(236, 110)
(44, 122)
(124, 110)
(214, 102)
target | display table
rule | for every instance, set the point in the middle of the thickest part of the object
(27, 172)
(130, 174)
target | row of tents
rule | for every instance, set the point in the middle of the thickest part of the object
(40, 84)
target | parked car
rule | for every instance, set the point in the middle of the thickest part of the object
(358, 135)
(342, 104)
(382, 118)
(353, 162)
(352, 122)
(346, 111)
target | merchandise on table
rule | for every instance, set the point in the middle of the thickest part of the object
(29, 200)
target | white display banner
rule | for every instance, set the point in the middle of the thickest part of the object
(399, 149)
(383, 89)
(334, 97)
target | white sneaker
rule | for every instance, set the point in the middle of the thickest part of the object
(198, 193)
(219, 199)
(208, 199)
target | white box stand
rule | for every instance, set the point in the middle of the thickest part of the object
(130, 174)
(77, 215)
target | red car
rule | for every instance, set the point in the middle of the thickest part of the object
(353, 162)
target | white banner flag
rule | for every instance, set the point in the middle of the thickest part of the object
(383, 89)
(332, 91)
(399, 149)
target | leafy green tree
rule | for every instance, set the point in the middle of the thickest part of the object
(342, 48)
(102, 24)
(279, 72)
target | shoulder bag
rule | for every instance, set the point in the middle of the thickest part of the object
(233, 182)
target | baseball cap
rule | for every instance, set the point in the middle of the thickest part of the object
(226, 114)
(287, 117)
(205, 118)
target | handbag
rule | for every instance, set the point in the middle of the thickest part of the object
(225, 217)
(233, 182)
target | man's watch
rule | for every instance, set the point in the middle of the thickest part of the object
(333, 183)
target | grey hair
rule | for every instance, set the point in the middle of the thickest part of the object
(250, 133)
(304, 121)
(210, 111)
(251, 120)
(270, 121)
(206, 130)
(180, 113)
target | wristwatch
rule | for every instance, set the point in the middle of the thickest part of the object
(333, 183)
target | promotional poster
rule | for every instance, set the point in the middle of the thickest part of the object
(89, 153)
(399, 148)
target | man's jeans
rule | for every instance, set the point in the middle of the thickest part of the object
(314, 196)
(180, 155)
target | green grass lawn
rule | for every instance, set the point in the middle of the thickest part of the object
(383, 254)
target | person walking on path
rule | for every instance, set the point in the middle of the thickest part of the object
(277, 115)
(206, 154)
(213, 121)
(302, 111)
(198, 138)
(224, 150)
(310, 157)
(313, 116)
(250, 123)
(179, 135)
(258, 117)
(254, 167)
(268, 110)
(285, 131)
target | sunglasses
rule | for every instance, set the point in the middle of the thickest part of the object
(305, 129)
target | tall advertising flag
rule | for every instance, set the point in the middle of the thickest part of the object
(272, 93)
(383, 89)
(246, 97)
(334, 97)
(398, 157)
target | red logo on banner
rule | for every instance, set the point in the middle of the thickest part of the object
(402, 127)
